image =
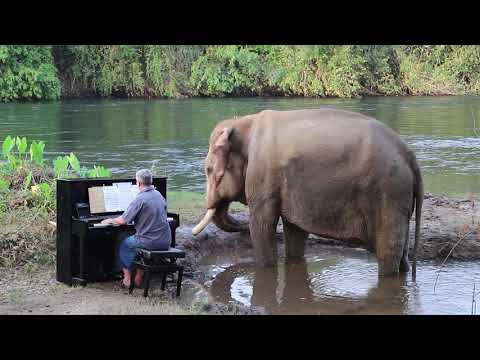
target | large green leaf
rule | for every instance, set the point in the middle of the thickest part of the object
(36, 152)
(74, 163)
(7, 146)
(21, 145)
(60, 165)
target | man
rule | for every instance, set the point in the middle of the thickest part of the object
(148, 212)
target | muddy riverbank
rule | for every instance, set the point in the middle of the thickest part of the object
(445, 223)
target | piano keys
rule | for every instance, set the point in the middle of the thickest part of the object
(87, 250)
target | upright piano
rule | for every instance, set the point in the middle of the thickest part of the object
(87, 252)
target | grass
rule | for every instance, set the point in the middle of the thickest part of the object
(191, 205)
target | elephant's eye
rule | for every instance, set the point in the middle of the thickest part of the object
(209, 170)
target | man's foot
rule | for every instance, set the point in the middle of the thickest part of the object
(123, 285)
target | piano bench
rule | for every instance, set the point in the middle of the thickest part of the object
(159, 262)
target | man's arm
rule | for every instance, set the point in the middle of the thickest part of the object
(115, 221)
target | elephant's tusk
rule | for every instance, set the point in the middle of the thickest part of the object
(202, 224)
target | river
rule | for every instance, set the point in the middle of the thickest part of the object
(172, 135)
(125, 135)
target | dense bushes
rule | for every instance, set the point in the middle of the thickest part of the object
(28, 72)
(28, 199)
(173, 71)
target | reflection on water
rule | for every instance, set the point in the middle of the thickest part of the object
(127, 134)
(340, 281)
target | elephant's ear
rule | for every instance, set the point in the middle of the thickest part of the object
(221, 150)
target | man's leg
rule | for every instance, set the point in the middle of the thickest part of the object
(127, 277)
(139, 277)
(127, 253)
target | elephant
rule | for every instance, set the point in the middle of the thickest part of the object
(333, 173)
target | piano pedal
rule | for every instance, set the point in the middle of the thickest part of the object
(78, 282)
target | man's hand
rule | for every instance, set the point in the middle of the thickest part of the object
(114, 221)
(107, 222)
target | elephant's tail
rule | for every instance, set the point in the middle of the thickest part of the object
(418, 196)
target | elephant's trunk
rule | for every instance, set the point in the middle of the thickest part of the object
(226, 222)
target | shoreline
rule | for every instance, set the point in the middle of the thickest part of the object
(34, 290)
(184, 98)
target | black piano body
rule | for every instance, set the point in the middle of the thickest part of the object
(86, 253)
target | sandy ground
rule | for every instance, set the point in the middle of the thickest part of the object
(446, 224)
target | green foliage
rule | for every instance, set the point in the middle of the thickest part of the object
(44, 196)
(120, 71)
(226, 70)
(28, 181)
(21, 145)
(7, 146)
(4, 185)
(99, 172)
(27, 72)
(74, 163)
(36, 152)
(69, 166)
(174, 71)
(168, 69)
(22, 169)
(60, 166)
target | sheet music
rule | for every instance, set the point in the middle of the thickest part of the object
(125, 196)
(95, 196)
(111, 198)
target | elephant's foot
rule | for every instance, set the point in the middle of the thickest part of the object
(388, 268)
(266, 262)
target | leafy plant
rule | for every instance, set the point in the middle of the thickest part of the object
(28, 181)
(36, 152)
(74, 163)
(60, 165)
(21, 145)
(99, 172)
(28, 72)
(7, 146)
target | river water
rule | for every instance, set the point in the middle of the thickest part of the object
(338, 280)
(172, 135)
(124, 135)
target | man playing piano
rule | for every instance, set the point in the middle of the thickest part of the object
(148, 212)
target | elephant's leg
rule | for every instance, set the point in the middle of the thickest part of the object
(390, 241)
(404, 265)
(263, 224)
(264, 292)
(295, 239)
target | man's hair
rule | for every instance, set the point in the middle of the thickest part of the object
(144, 176)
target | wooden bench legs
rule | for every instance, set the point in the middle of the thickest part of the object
(165, 270)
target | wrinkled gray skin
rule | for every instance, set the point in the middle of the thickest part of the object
(332, 173)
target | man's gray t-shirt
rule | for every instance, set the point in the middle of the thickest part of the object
(149, 214)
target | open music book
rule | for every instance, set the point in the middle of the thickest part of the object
(113, 198)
